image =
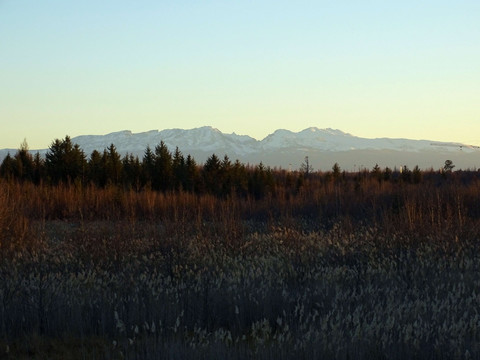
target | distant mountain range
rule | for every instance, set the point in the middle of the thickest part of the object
(287, 149)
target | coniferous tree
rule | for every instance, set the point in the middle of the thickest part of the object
(96, 169)
(131, 172)
(78, 161)
(406, 175)
(376, 173)
(448, 166)
(261, 182)
(191, 174)
(178, 169)
(65, 162)
(336, 172)
(226, 176)
(416, 175)
(113, 164)
(211, 175)
(38, 169)
(239, 178)
(306, 167)
(387, 174)
(163, 172)
(23, 163)
(7, 169)
(148, 166)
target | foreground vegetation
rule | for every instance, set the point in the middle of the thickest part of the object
(335, 265)
(163, 259)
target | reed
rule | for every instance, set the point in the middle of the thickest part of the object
(342, 268)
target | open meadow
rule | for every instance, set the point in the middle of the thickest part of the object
(239, 180)
(349, 267)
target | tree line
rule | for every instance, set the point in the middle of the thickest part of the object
(163, 170)
(159, 169)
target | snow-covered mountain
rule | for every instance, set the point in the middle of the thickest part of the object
(287, 149)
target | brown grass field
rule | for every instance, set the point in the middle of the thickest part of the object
(350, 268)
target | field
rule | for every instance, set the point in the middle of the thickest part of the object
(348, 268)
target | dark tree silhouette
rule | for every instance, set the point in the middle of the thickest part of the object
(306, 167)
(132, 169)
(7, 169)
(261, 182)
(191, 174)
(148, 166)
(336, 172)
(239, 178)
(163, 172)
(38, 169)
(212, 175)
(65, 162)
(23, 163)
(96, 169)
(448, 167)
(179, 170)
(113, 164)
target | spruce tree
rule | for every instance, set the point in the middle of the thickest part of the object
(148, 167)
(131, 172)
(23, 163)
(239, 178)
(261, 181)
(163, 173)
(191, 174)
(65, 162)
(7, 169)
(96, 170)
(38, 169)
(226, 176)
(211, 174)
(179, 170)
(113, 165)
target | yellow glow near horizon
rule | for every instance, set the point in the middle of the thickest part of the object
(374, 70)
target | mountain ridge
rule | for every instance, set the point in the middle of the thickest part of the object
(286, 149)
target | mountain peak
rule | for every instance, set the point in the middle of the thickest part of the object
(284, 147)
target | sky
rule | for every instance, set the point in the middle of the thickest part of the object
(401, 69)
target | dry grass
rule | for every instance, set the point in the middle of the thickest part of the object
(353, 269)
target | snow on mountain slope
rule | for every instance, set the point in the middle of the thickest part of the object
(337, 140)
(279, 148)
(206, 139)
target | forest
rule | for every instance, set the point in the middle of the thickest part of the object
(162, 170)
(112, 257)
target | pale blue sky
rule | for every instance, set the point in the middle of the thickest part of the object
(372, 68)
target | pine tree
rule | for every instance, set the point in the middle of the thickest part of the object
(113, 165)
(306, 167)
(387, 174)
(376, 173)
(406, 175)
(261, 182)
(96, 169)
(416, 175)
(226, 176)
(7, 169)
(148, 167)
(23, 163)
(239, 178)
(179, 170)
(336, 172)
(211, 175)
(38, 169)
(131, 173)
(65, 162)
(448, 166)
(163, 172)
(191, 174)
